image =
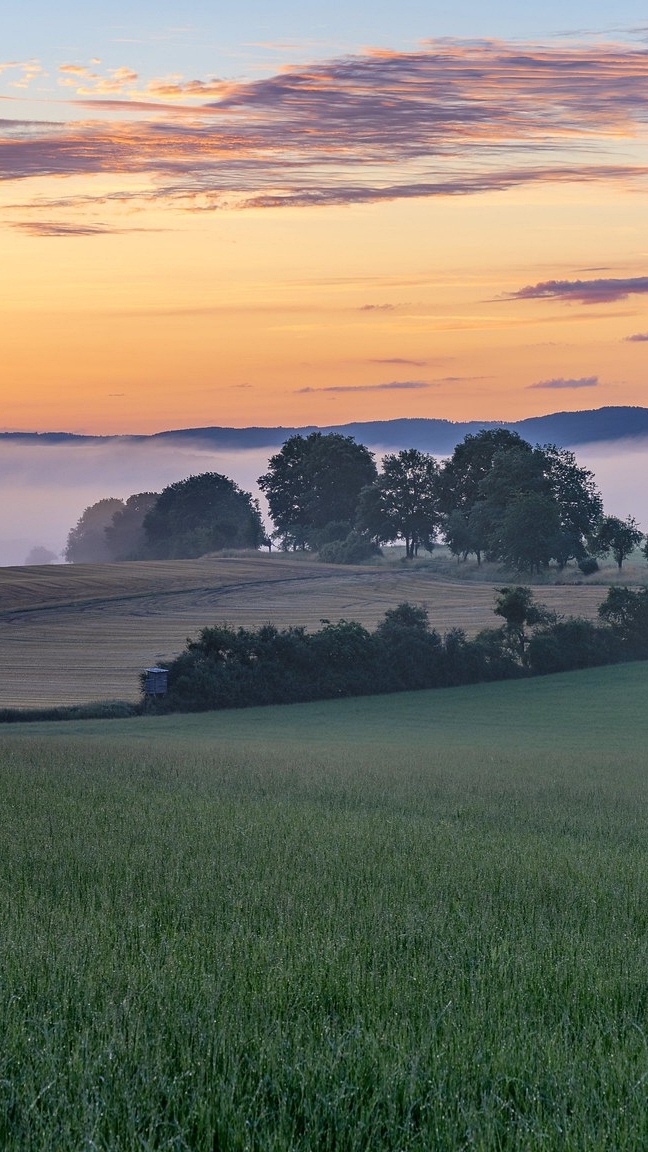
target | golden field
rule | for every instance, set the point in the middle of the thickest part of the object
(78, 633)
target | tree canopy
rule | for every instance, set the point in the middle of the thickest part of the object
(620, 537)
(202, 514)
(470, 463)
(403, 502)
(520, 505)
(313, 481)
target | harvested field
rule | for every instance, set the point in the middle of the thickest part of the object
(74, 634)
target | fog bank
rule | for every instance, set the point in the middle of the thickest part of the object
(45, 488)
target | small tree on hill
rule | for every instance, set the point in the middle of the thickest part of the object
(620, 537)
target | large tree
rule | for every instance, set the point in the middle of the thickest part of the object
(314, 481)
(461, 475)
(483, 487)
(403, 502)
(86, 543)
(574, 490)
(202, 514)
(528, 532)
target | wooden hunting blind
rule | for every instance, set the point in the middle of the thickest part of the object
(156, 681)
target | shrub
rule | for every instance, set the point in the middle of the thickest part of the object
(357, 547)
(571, 644)
(588, 565)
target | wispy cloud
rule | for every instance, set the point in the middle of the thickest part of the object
(27, 70)
(602, 291)
(454, 118)
(377, 308)
(85, 82)
(59, 228)
(638, 338)
(392, 386)
(402, 360)
(560, 382)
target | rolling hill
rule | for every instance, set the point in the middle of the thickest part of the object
(566, 429)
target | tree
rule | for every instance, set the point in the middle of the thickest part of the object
(313, 481)
(467, 533)
(202, 514)
(519, 611)
(457, 534)
(470, 463)
(542, 507)
(86, 543)
(496, 469)
(579, 502)
(403, 502)
(514, 472)
(626, 612)
(125, 533)
(40, 555)
(529, 533)
(620, 537)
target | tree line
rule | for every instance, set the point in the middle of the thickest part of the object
(237, 668)
(496, 497)
(201, 514)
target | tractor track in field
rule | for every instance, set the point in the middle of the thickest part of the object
(79, 636)
(90, 603)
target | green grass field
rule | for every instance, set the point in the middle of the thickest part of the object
(406, 922)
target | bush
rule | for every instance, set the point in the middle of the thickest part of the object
(237, 668)
(101, 710)
(588, 565)
(571, 644)
(353, 550)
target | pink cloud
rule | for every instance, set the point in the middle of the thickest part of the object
(454, 118)
(601, 291)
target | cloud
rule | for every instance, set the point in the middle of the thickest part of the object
(456, 379)
(29, 70)
(638, 338)
(453, 118)
(58, 228)
(377, 308)
(583, 382)
(602, 291)
(392, 386)
(88, 83)
(399, 360)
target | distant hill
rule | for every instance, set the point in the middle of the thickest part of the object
(567, 429)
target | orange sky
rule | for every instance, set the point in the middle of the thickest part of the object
(191, 284)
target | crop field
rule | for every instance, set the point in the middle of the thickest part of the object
(406, 923)
(78, 633)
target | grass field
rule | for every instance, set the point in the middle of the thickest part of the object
(410, 922)
(77, 633)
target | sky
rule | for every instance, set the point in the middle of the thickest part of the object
(296, 213)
